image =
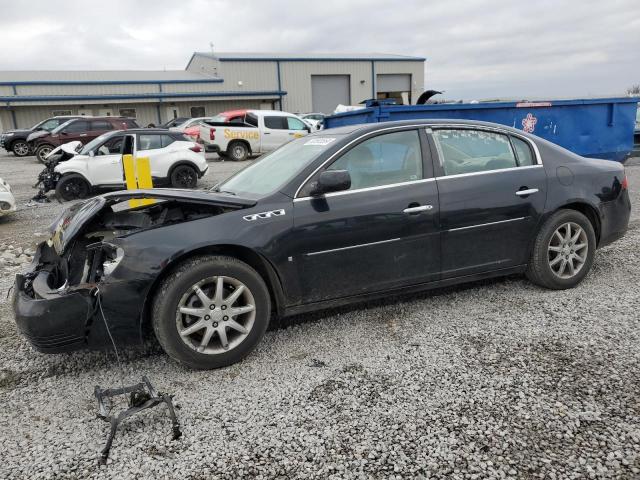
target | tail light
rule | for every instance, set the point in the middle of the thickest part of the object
(625, 183)
(212, 134)
(196, 148)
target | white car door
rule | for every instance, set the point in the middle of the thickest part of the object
(275, 132)
(160, 157)
(105, 166)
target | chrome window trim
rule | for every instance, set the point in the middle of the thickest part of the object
(484, 172)
(367, 189)
(350, 247)
(486, 224)
(427, 128)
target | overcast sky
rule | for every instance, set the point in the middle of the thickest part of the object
(474, 48)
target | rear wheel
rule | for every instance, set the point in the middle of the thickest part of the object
(211, 312)
(184, 176)
(238, 151)
(42, 151)
(20, 148)
(72, 187)
(563, 251)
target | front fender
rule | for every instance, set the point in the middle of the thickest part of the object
(74, 166)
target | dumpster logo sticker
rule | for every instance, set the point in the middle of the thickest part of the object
(529, 123)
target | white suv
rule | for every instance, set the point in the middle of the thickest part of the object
(175, 161)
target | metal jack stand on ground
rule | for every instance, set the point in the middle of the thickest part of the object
(142, 396)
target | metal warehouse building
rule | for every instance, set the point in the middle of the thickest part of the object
(211, 83)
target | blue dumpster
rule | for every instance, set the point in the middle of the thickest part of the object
(600, 128)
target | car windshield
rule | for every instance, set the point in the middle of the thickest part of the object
(275, 169)
(96, 142)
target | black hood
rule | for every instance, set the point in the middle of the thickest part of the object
(24, 131)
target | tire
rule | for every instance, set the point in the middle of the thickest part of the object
(72, 187)
(184, 176)
(20, 148)
(42, 151)
(237, 151)
(177, 291)
(560, 261)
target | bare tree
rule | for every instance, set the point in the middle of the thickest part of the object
(634, 90)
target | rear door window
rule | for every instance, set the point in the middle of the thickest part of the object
(470, 151)
(77, 126)
(276, 123)
(167, 140)
(101, 125)
(523, 152)
(149, 142)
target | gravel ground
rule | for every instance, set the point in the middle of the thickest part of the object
(496, 379)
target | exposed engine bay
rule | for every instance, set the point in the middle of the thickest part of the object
(91, 256)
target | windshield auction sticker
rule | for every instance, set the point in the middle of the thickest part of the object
(320, 141)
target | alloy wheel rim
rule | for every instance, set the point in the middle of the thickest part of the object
(44, 152)
(215, 315)
(73, 188)
(185, 177)
(21, 148)
(567, 250)
(238, 152)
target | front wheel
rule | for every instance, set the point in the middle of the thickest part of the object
(184, 176)
(211, 312)
(72, 187)
(20, 148)
(42, 151)
(563, 251)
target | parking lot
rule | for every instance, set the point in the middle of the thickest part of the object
(493, 379)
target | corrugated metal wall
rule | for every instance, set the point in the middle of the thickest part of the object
(262, 76)
(254, 76)
(146, 113)
(296, 81)
(416, 69)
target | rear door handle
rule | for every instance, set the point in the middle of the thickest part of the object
(418, 209)
(527, 192)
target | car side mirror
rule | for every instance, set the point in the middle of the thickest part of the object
(92, 153)
(307, 128)
(331, 181)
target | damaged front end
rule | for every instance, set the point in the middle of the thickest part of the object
(55, 301)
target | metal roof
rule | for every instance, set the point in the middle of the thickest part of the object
(101, 77)
(303, 56)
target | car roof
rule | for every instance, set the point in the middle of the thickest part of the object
(143, 130)
(274, 113)
(372, 127)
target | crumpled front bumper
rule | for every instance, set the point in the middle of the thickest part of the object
(52, 321)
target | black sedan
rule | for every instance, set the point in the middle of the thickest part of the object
(336, 217)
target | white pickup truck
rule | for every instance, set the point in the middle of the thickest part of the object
(238, 134)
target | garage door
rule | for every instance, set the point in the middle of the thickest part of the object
(393, 82)
(327, 91)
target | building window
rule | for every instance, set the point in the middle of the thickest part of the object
(128, 112)
(59, 113)
(197, 112)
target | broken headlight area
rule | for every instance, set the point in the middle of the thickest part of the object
(94, 254)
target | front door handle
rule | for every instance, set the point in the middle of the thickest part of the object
(418, 209)
(526, 192)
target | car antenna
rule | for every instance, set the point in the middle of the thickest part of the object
(140, 396)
